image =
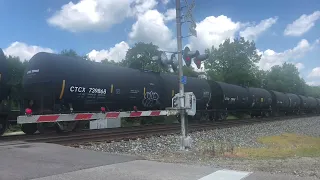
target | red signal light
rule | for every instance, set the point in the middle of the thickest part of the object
(28, 111)
(103, 109)
(198, 63)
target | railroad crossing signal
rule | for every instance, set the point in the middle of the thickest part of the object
(198, 58)
(164, 61)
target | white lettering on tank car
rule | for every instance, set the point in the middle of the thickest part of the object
(77, 89)
(33, 71)
(97, 91)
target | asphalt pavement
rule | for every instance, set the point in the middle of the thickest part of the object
(40, 161)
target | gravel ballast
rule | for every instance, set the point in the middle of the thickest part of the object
(167, 148)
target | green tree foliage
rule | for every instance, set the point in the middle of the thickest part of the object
(16, 69)
(106, 61)
(285, 78)
(69, 52)
(313, 91)
(73, 53)
(233, 62)
(140, 57)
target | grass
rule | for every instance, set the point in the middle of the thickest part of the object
(283, 146)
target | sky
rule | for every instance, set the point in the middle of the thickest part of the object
(284, 31)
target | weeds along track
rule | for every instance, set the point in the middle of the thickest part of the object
(118, 134)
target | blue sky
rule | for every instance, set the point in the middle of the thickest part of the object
(110, 27)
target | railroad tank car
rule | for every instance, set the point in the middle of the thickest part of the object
(4, 93)
(199, 87)
(304, 103)
(3, 76)
(57, 83)
(261, 101)
(313, 103)
(228, 97)
(318, 106)
(280, 102)
(294, 103)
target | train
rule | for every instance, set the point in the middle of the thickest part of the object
(54, 83)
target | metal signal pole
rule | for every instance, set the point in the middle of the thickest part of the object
(181, 85)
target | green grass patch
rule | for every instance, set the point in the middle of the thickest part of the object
(283, 146)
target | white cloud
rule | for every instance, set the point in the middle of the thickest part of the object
(151, 27)
(314, 73)
(170, 14)
(252, 32)
(97, 15)
(299, 66)
(24, 51)
(313, 83)
(116, 53)
(303, 24)
(165, 2)
(270, 58)
(213, 31)
(142, 6)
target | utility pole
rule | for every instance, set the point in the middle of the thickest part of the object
(188, 18)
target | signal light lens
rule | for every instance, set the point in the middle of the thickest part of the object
(28, 111)
(103, 109)
(188, 58)
(198, 63)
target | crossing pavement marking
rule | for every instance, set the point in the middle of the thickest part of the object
(225, 174)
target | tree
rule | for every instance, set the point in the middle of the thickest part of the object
(16, 69)
(73, 53)
(69, 52)
(285, 78)
(140, 57)
(233, 62)
(106, 61)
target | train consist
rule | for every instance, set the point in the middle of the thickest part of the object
(59, 84)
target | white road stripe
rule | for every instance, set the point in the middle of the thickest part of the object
(226, 175)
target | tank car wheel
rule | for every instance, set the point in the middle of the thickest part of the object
(3, 125)
(29, 128)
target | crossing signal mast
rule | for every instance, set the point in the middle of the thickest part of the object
(177, 64)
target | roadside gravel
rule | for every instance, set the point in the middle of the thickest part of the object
(206, 144)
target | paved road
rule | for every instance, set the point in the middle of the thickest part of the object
(52, 162)
(149, 170)
(29, 161)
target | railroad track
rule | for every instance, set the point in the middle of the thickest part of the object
(118, 134)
